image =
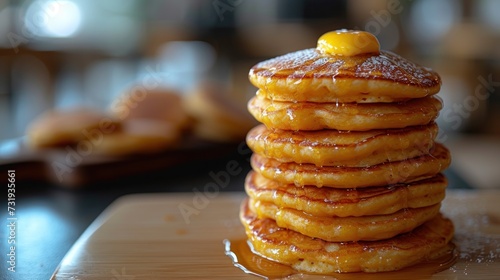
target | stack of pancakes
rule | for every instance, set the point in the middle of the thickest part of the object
(346, 171)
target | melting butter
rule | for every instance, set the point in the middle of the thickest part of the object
(348, 43)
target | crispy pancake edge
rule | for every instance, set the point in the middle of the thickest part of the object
(319, 256)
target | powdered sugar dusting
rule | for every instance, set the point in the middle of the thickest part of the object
(477, 234)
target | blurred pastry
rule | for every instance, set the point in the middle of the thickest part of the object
(66, 127)
(140, 121)
(158, 104)
(216, 116)
(217, 132)
(153, 120)
(139, 136)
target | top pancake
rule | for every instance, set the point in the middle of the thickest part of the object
(310, 75)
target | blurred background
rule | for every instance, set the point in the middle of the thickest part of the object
(64, 53)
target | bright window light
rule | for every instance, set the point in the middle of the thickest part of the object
(55, 18)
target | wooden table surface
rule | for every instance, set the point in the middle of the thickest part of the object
(180, 236)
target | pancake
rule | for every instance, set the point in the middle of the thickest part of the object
(382, 174)
(139, 136)
(345, 229)
(314, 76)
(315, 255)
(343, 116)
(347, 202)
(341, 148)
(69, 126)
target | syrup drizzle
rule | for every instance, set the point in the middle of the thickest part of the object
(245, 259)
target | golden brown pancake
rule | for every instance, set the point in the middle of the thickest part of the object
(67, 127)
(347, 202)
(343, 116)
(341, 148)
(354, 177)
(310, 75)
(345, 229)
(315, 255)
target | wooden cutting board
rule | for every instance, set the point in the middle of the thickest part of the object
(180, 236)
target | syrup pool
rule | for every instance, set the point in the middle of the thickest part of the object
(243, 257)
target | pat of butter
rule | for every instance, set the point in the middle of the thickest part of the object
(348, 43)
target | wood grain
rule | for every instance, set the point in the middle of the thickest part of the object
(146, 236)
